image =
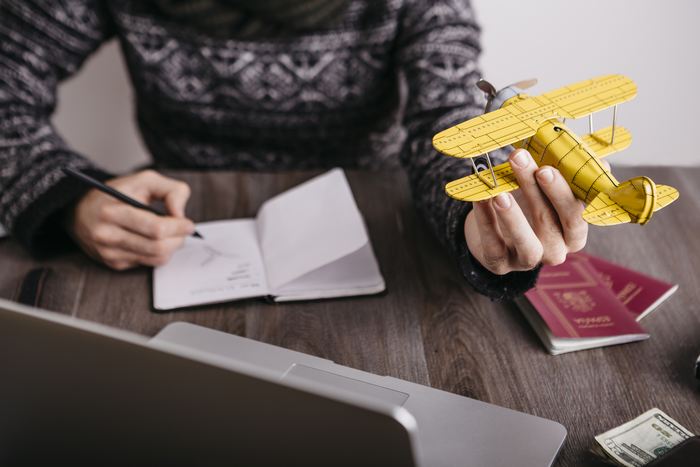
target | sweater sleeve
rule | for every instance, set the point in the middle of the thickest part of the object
(438, 49)
(41, 43)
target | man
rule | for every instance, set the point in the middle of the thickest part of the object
(274, 85)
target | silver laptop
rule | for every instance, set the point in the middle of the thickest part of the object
(77, 392)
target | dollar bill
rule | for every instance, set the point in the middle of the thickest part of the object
(641, 440)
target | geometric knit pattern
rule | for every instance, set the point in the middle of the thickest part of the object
(368, 90)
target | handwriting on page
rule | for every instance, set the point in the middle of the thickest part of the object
(226, 271)
(226, 265)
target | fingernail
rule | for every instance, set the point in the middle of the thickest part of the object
(521, 158)
(503, 201)
(545, 175)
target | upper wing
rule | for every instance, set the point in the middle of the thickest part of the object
(472, 188)
(593, 95)
(485, 133)
(522, 118)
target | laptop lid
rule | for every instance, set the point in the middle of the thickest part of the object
(77, 393)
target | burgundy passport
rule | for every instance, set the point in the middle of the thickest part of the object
(575, 302)
(638, 292)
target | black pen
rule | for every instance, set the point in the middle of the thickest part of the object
(88, 180)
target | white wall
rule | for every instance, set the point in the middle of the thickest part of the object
(653, 42)
(559, 42)
(96, 113)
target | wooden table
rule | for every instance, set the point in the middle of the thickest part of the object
(430, 327)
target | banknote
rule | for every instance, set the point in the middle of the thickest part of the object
(641, 440)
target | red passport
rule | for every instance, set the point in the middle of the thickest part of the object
(589, 302)
(639, 293)
(574, 302)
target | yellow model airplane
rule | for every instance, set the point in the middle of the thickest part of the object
(537, 124)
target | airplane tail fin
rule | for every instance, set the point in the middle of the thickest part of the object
(632, 201)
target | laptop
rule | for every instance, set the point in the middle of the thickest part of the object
(78, 393)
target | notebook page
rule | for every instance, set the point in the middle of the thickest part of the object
(353, 274)
(309, 226)
(225, 265)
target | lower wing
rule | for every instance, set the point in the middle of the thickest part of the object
(478, 187)
(475, 188)
(600, 141)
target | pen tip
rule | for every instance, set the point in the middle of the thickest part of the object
(197, 235)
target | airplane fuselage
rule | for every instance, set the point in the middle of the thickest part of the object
(558, 146)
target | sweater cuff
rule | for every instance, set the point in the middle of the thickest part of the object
(40, 227)
(497, 287)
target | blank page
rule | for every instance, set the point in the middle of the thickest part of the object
(309, 226)
(355, 274)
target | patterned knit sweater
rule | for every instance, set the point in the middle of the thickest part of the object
(313, 99)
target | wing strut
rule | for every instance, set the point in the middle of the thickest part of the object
(478, 173)
(612, 138)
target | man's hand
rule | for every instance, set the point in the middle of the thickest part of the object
(541, 225)
(122, 236)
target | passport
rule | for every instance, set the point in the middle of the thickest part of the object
(589, 302)
(640, 294)
(575, 302)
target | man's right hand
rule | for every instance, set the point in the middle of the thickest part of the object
(122, 236)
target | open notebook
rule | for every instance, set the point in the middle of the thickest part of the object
(307, 243)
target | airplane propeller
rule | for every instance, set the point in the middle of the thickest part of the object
(525, 84)
(490, 90)
(487, 87)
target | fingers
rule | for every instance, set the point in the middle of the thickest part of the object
(149, 185)
(569, 210)
(121, 260)
(491, 251)
(151, 251)
(525, 248)
(122, 236)
(549, 226)
(145, 223)
(500, 238)
(543, 216)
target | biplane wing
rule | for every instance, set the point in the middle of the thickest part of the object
(485, 133)
(521, 119)
(593, 95)
(472, 188)
(600, 141)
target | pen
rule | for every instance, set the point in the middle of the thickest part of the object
(88, 180)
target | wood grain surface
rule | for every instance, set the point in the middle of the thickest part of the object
(429, 327)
